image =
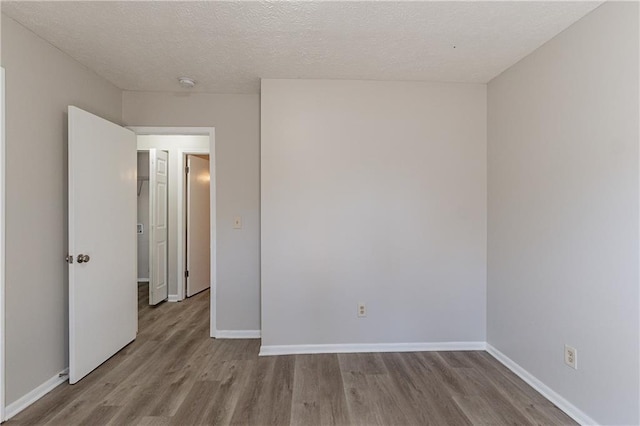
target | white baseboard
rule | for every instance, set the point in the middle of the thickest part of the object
(571, 410)
(237, 334)
(370, 347)
(143, 280)
(173, 298)
(22, 403)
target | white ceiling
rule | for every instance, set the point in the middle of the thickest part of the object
(228, 46)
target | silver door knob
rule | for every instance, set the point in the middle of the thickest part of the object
(83, 258)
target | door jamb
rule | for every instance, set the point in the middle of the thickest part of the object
(201, 131)
(2, 245)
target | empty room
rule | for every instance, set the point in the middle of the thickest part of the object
(320, 212)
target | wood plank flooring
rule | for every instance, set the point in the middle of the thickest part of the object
(174, 374)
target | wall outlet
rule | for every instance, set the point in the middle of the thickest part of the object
(237, 222)
(571, 357)
(362, 310)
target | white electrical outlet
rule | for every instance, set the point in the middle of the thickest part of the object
(237, 222)
(362, 310)
(571, 356)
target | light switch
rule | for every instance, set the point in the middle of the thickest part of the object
(237, 222)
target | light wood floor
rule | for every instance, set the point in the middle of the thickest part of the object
(174, 374)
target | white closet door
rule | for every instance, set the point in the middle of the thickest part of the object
(158, 230)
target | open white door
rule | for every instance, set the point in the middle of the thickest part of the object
(198, 241)
(158, 249)
(103, 316)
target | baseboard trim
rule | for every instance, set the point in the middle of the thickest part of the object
(31, 397)
(173, 298)
(270, 350)
(571, 410)
(237, 334)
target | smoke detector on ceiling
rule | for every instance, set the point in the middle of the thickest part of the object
(186, 82)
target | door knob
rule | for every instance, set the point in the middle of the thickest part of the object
(83, 258)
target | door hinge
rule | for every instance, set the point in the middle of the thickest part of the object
(69, 258)
(186, 274)
(186, 169)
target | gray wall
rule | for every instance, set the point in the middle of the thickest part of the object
(40, 83)
(236, 119)
(143, 215)
(563, 213)
(373, 192)
(562, 202)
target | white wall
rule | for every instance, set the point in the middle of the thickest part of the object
(177, 146)
(40, 83)
(563, 213)
(373, 192)
(236, 119)
(143, 215)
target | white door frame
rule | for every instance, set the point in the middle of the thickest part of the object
(2, 243)
(201, 131)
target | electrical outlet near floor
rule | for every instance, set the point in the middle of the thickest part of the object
(237, 222)
(571, 357)
(362, 310)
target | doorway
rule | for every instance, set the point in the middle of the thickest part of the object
(180, 143)
(197, 232)
(102, 259)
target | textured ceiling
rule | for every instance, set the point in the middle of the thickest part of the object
(228, 46)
